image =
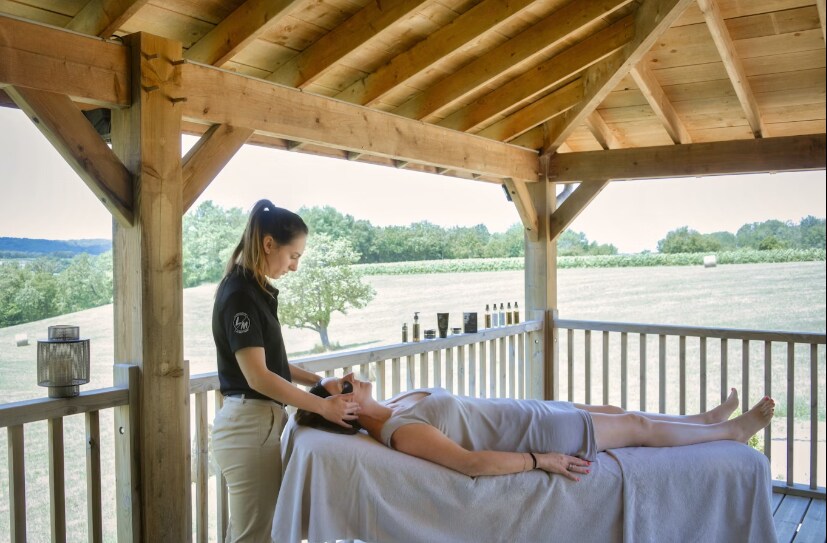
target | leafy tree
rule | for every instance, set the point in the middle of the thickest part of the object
(465, 242)
(686, 240)
(87, 282)
(507, 244)
(726, 239)
(572, 243)
(210, 233)
(812, 232)
(752, 235)
(327, 220)
(325, 283)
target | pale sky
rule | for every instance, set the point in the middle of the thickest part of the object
(43, 198)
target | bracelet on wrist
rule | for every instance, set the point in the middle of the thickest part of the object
(534, 460)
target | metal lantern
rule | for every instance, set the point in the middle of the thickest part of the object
(63, 361)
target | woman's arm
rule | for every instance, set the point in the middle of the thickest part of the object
(336, 409)
(426, 442)
(302, 376)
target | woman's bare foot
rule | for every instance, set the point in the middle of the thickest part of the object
(753, 420)
(723, 411)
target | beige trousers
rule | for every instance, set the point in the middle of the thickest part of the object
(246, 446)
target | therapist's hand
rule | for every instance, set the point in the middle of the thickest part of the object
(340, 408)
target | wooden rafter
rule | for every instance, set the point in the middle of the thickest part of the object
(652, 19)
(79, 144)
(543, 77)
(208, 157)
(790, 153)
(822, 16)
(548, 33)
(103, 17)
(241, 27)
(602, 132)
(283, 112)
(367, 23)
(483, 17)
(572, 206)
(525, 207)
(732, 63)
(659, 102)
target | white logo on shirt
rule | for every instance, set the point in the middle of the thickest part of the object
(241, 323)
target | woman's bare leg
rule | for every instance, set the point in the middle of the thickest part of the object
(635, 430)
(713, 416)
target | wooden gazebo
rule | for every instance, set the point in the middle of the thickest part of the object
(525, 93)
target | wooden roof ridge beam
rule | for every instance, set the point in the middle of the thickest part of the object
(208, 157)
(733, 65)
(484, 17)
(525, 207)
(652, 19)
(607, 137)
(283, 112)
(542, 77)
(68, 130)
(104, 17)
(237, 30)
(542, 36)
(659, 102)
(364, 25)
(788, 153)
(572, 206)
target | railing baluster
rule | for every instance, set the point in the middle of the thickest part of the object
(328, 373)
(222, 506)
(423, 370)
(587, 341)
(411, 368)
(570, 361)
(57, 482)
(624, 369)
(93, 477)
(682, 375)
(662, 373)
(472, 369)
(364, 371)
(724, 369)
(381, 393)
(643, 372)
(521, 365)
(503, 368)
(605, 368)
(396, 374)
(768, 392)
(813, 415)
(790, 410)
(437, 368)
(744, 376)
(17, 483)
(449, 369)
(483, 370)
(512, 368)
(461, 370)
(492, 368)
(201, 469)
(702, 348)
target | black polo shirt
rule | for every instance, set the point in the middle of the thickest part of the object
(244, 315)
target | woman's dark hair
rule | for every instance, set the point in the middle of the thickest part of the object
(314, 420)
(265, 220)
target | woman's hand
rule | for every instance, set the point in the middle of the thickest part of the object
(340, 408)
(563, 464)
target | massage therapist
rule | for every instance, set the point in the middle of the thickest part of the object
(255, 375)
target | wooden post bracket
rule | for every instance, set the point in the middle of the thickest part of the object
(571, 207)
(522, 200)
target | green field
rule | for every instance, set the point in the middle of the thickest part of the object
(787, 296)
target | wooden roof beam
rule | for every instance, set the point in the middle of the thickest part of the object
(240, 28)
(659, 102)
(104, 17)
(521, 198)
(299, 116)
(572, 206)
(542, 77)
(544, 35)
(207, 158)
(482, 18)
(822, 15)
(315, 61)
(732, 63)
(602, 132)
(790, 153)
(652, 19)
(65, 126)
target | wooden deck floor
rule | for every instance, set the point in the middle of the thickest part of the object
(798, 519)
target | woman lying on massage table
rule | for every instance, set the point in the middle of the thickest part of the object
(499, 436)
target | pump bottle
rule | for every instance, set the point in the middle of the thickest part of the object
(509, 316)
(416, 326)
(516, 314)
(487, 317)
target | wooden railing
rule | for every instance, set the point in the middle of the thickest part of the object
(692, 345)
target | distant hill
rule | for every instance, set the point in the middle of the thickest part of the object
(28, 247)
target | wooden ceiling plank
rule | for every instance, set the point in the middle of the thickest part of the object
(792, 153)
(66, 128)
(300, 116)
(732, 63)
(573, 205)
(659, 102)
(315, 61)
(525, 207)
(536, 113)
(483, 17)
(652, 19)
(602, 132)
(543, 77)
(240, 28)
(104, 17)
(87, 69)
(548, 33)
(207, 158)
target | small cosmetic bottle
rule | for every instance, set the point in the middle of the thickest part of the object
(516, 314)
(509, 316)
(487, 317)
(502, 315)
(416, 326)
(495, 318)
(405, 332)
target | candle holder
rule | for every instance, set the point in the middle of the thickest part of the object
(63, 361)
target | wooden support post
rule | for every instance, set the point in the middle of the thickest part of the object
(541, 292)
(148, 285)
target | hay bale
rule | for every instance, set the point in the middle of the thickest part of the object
(21, 339)
(710, 261)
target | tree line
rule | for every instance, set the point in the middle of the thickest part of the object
(769, 235)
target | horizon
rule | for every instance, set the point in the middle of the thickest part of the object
(37, 179)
